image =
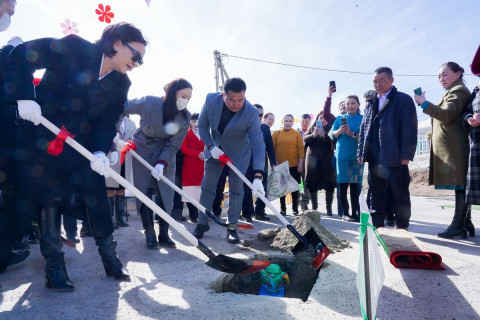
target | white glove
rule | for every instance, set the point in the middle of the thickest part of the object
(113, 157)
(29, 110)
(258, 187)
(15, 41)
(216, 152)
(157, 171)
(100, 164)
(117, 137)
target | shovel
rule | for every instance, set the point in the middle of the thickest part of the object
(218, 262)
(309, 241)
(172, 185)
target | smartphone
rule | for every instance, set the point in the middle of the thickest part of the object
(332, 84)
(343, 121)
(418, 91)
(319, 124)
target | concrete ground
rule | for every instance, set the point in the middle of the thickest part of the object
(173, 283)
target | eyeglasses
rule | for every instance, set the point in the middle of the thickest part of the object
(137, 57)
(260, 114)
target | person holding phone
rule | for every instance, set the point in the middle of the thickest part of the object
(450, 146)
(319, 170)
(349, 171)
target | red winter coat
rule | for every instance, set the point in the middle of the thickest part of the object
(193, 167)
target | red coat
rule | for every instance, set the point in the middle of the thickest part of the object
(192, 173)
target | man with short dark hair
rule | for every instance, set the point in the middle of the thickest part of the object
(229, 123)
(387, 141)
(305, 195)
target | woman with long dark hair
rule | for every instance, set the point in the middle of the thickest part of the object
(349, 171)
(164, 122)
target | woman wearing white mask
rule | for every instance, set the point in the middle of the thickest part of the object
(164, 122)
(7, 9)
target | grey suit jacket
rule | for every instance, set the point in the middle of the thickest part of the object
(154, 142)
(241, 137)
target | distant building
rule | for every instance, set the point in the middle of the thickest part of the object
(423, 144)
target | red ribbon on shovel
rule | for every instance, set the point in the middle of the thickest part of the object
(224, 159)
(55, 147)
(129, 145)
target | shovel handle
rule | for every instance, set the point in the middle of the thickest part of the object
(118, 178)
(270, 205)
(168, 182)
(261, 196)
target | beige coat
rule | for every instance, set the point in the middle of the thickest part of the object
(449, 152)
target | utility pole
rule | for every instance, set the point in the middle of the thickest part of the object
(219, 68)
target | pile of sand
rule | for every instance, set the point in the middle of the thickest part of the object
(284, 240)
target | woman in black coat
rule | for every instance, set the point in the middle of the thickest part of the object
(320, 173)
(84, 88)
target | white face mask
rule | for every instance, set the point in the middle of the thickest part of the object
(4, 21)
(181, 103)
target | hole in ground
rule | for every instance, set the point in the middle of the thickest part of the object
(301, 272)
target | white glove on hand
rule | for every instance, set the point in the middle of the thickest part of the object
(15, 41)
(258, 187)
(216, 152)
(158, 171)
(100, 164)
(117, 137)
(29, 110)
(113, 157)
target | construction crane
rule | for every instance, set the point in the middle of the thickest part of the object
(219, 68)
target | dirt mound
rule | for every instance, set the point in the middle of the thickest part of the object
(285, 240)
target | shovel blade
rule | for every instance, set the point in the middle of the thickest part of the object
(233, 265)
(314, 241)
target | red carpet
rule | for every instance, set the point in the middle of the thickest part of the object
(406, 251)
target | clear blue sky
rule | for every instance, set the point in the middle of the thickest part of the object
(411, 37)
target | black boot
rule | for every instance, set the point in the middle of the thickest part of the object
(192, 212)
(314, 197)
(295, 203)
(200, 229)
(329, 201)
(147, 221)
(232, 236)
(56, 276)
(468, 222)
(283, 206)
(457, 227)
(163, 238)
(113, 266)
(120, 210)
(112, 208)
(13, 259)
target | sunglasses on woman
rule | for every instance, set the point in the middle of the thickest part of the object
(137, 57)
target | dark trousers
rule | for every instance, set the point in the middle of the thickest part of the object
(355, 189)
(5, 248)
(339, 204)
(296, 175)
(259, 204)
(379, 179)
(247, 204)
(217, 202)
(177, 198)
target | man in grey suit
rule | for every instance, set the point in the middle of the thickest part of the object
(229, 123)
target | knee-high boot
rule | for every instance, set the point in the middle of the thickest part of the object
(163, 238)
(147, 221)
(468, 222)
(113, 266)
(457, 227)
(112, 208)
(120, 210)
(329, 201)
(56, 276)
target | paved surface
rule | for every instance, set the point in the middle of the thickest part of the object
(173, 283)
